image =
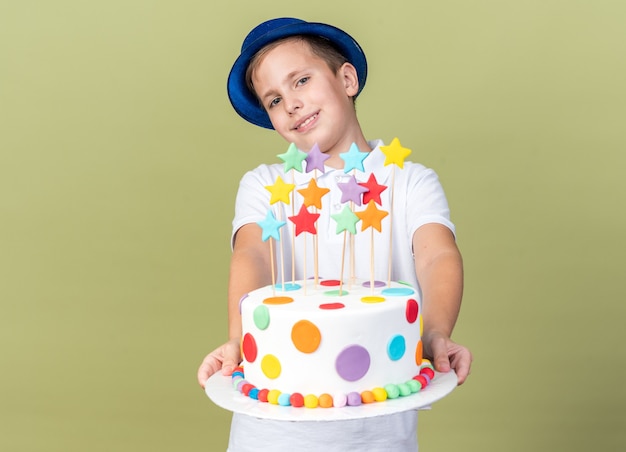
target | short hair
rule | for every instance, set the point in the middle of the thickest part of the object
(319, 46)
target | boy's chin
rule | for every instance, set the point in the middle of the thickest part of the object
(302, 144)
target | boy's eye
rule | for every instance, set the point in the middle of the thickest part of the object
(303, 80)
(274, 102)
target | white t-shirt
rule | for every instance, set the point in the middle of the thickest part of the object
(390, 433)
(418, 199)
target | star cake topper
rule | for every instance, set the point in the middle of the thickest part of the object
(395, 153)
(270, 226)
(315, 159)
(353, 158)
(351, 191)
(374, 189)
(305, 221)
(280, 191)
(371, 216)
(313, 194)
(346, 220)
(293, 158)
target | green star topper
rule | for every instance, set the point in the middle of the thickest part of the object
(293, 158)
(346, 220)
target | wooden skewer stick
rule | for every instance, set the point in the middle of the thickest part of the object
(293, 230)
(272, 265)
(282, 254)
(372, 260)
(393, 176)
(343, 259)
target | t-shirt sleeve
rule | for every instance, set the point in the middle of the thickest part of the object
(426, 201)
(252, 199)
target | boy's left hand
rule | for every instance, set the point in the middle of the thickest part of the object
(447, 354)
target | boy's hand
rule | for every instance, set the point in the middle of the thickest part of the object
(447, 355)
(226, 357)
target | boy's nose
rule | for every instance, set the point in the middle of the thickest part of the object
(293, 104)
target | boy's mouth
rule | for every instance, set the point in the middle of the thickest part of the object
(302, 125)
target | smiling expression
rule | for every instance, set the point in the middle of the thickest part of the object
(306, 101)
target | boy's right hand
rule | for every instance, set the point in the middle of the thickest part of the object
(226, 357)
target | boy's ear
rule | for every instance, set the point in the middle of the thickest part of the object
(350, 79)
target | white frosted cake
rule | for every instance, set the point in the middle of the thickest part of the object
(331, 344)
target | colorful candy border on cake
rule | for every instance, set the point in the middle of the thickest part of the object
(299, 400)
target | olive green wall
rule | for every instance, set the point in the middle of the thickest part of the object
(119, 161)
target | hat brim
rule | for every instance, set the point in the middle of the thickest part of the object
(246, 103)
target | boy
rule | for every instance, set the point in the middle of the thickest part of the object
(301, 79)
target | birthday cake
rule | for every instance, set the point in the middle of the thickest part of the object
(331, 342)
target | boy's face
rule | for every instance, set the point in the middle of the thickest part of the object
(306, 102)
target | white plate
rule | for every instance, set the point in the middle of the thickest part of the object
(220, 390)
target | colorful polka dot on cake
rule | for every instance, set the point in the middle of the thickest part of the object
(396, 348)
(249, 348)
(412, 310)
(329, 306)
(419, 351)
(244, 296)
(372, 299)
(330, 282)
(278, 300)
(373, 284)
(353, 363)
(398, 291)
(270, 365)
(306, 336)
(261, 317)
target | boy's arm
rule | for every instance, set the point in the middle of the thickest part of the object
(439, 270)
(249, 270)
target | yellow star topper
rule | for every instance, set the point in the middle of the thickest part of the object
(395, 153)
(280, 191)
